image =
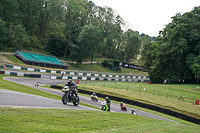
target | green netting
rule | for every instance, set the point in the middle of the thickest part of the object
(27, 56)
(41, 58)
(54, 60)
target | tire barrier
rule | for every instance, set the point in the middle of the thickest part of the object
(2, 72)
(143, 105)
(56, 87)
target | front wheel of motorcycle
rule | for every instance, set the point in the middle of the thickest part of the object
(76, 101)
(64, 99)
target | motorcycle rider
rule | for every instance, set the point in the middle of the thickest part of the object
(94, 94)
(70, 84)
(37, 84)
(133, 111)
(121, 104)
(108, 102)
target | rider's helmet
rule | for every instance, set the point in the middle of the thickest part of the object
(69, 81)
(94, 93)
(107, 98)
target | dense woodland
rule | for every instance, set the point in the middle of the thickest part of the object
(78, 29)
(175, 56)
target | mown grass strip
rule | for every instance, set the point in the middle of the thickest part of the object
(65, 120)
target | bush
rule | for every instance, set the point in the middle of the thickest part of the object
(108, 64)
(105, 63)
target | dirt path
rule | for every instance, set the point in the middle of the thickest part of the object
(4, 59)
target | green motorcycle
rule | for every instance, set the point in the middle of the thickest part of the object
(104, 106)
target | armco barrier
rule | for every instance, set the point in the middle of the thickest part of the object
(143, 105)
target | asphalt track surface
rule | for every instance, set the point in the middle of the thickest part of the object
(17, 99)
(27, 100)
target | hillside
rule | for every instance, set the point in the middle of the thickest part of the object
(11, 59)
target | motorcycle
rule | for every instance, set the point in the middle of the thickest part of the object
(37, 84)
(70, 95)
(123, 107)
(104, 106)
(94, 98)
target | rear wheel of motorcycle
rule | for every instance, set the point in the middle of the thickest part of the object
(76, 101)
(64, 99)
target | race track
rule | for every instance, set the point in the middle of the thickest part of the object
(17, 99)
(58, 104)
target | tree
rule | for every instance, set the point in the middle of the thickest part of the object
(177, 44)
(89, 40)
(145, 60)
(75, 18)
(110, 24)
(8, 12)
(18, 38)
(3, 34)
(56, 46)
(132, 45)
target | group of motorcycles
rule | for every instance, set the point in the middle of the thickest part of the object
(70, 95)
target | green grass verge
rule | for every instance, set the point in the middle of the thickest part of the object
(148, 111)
(161, 101)
(13, 59)
(65, 120)
(172, 91)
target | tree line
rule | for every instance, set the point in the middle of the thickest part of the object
(75, 29)
(175, 56)
(78, 29)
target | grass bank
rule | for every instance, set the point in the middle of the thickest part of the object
(169, 103)
(65, 120)
(11, 59)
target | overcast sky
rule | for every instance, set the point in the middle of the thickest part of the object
(148, 16)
